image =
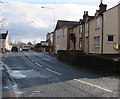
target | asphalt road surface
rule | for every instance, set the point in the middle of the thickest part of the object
(38, 74)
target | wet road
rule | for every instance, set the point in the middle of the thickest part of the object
(41, 75)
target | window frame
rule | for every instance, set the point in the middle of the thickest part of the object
(86, 27)
(80, 43)
(81, 29)
(108, 38)
(97, 41)
(98, 23)
(64, 31)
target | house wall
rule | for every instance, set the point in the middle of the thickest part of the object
(3, 45)
(0, 45)
(111, 28)
(60, 40)
(78, 36)
(94, 32)
(119, 26)
(86, 38)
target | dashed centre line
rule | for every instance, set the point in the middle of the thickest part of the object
(53, 71)
(93, 85)
(38, 64)
(33, 61)
(41, 66)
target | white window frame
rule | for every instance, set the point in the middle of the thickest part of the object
(98, 22)
(97, 41)
(64, 31)
(80, 43)
(58, 33)
(81, 29)
(86, 27)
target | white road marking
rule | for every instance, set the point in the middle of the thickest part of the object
(29, 57)
(93, 85)
(32, 60)
(38, 64)
(53, 71)
(4, 58)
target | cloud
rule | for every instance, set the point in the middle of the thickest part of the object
(28, 21)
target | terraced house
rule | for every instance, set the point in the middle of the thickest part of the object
(98, 34)
(104, 31)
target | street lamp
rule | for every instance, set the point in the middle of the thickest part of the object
(51, 9)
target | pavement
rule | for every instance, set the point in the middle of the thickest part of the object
(7, 87)
(36, 74)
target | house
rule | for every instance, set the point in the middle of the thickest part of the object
(98, 34)
(62, 35)
(30, 45)
(49, 39)
(104, 33)
(111, 30)
(81, 34)
(76, 36)
(44, 46)
(4, 44)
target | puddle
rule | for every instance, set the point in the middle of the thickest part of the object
(17, 68)
(19, 74)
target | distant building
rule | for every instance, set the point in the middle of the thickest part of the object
(44, 46)
(4, 43)
(49, 39)
(30, 45)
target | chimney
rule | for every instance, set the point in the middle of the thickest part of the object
(85, 14)
(102, 7)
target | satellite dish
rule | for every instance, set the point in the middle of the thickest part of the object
(116, 46)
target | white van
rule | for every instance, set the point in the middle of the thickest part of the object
(25, 48)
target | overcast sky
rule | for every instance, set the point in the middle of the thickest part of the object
(27, 21)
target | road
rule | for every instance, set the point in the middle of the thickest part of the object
(38, 74)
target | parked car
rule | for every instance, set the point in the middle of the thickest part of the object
(14, 49)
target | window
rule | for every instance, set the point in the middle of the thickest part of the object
(64, 31)
(80, 42)
(58, 33)
(98, 22)
(110, 38)
(86, 27)
(80, 28)
(96, 41)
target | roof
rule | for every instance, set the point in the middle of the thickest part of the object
(3, 35)
(113, 7)
(63, 23)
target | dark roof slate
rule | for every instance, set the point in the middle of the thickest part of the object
(62, 23)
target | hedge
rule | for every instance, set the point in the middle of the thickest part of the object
(80, 59)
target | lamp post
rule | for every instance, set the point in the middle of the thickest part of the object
(51, 9)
